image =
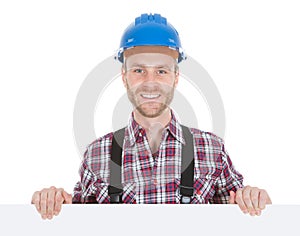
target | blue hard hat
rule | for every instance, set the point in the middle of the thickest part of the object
(150, 30)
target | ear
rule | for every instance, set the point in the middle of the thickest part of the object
(176, 78)
(123, 76)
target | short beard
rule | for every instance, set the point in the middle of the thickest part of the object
(161, 106)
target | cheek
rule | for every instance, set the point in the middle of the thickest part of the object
(172, 82)
(133, 84)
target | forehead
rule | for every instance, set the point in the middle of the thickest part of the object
(151, 49)
(150, 59)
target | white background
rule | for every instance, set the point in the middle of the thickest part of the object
(250, 49)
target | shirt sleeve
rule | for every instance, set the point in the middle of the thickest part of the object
(229, 180)
(90, 189)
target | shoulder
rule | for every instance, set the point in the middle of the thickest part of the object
(206, 139)
(101, 141)
(102, 145)
(210, 150)
(96, 158)
(99, 146)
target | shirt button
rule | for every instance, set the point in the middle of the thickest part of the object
(140, 134)
(155, 182)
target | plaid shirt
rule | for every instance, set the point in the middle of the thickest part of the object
(146, 179)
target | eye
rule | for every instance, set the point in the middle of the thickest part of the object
(162, 72)
(138, 70)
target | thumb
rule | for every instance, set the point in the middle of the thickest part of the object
(67, 197)
(232, 197)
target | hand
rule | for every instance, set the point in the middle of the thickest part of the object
(49, 200)
(250, 199)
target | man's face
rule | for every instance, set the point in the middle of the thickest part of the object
(150, 80)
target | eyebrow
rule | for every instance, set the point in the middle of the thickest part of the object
(138, 65)
(145, 65)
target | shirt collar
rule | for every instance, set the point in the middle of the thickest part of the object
(136, 131)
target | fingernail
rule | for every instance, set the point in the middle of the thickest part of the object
(245, 211)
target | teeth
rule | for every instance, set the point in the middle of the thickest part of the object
(150, 95)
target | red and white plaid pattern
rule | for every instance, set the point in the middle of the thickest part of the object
(149, 180)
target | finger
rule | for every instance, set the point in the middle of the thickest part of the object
(50, 202)
(263, 197)
(254, 195)
(247, 200)
(239, 200)
(232, 197)
(58, 202)
(36, 200)
(43, 204)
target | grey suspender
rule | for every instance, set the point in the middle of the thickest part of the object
(115, 190)
(187, 167)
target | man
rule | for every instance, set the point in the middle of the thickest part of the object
(154, 159)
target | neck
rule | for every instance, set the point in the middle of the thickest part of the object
(147, 123)
(154, 127)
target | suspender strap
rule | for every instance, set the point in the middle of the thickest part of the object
(115, 189)
(187, 167)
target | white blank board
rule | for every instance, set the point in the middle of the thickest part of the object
(132, 220)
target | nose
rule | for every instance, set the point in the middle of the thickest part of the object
(150, 75)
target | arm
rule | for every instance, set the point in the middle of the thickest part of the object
(229, 180)
(88, 189)
(94, 175)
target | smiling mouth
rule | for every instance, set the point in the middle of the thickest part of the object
(150, 96)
